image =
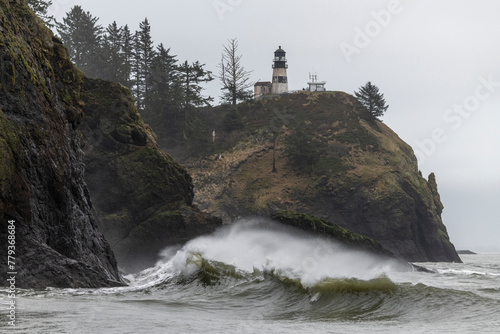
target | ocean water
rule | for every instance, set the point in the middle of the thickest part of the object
(255, 277)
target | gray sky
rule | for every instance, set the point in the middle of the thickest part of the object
(437, 62)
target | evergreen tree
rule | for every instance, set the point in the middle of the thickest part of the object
(191, 76)
(113, 67)
(165, 88)
(371, 99)
(234, 78)
(135, 75)
(82, 36)
(127, 52)
(144, 55)
(41, 8)
(114, 37)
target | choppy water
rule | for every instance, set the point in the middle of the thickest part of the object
(253, 279)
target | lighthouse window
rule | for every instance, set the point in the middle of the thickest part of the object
(282, 79)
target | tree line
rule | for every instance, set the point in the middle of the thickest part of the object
(164, 89)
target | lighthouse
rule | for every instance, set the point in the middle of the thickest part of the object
(280, 80)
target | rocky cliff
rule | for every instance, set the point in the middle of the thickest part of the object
(364, 177)
(143, 198)
(57, 242)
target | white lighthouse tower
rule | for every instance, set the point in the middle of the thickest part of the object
(280, 80)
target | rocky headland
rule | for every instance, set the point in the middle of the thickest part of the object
(362, 176)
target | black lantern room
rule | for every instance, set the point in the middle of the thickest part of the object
(280, 58)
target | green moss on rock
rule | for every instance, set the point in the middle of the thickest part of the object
(328, 229)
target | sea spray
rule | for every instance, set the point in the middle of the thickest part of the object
(254, 246)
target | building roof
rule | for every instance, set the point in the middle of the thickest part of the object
(280, 49)
(263, 83)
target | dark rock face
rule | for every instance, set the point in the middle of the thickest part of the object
(142, 197)
(400, 211)
(41, 163)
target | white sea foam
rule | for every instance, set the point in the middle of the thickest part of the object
(259, 244)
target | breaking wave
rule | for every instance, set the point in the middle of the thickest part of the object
(257, 249)
(257, 262)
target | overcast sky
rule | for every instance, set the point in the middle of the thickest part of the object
(437, 62)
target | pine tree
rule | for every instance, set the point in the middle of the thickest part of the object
(41, 8)
(82, 36)
(371, 99)
(232, 74)
(113, 67)
(144, 54)
(135, 74)
(190, 77)
(165, 88)
(127, 52)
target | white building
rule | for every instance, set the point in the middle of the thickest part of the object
(315, 85)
